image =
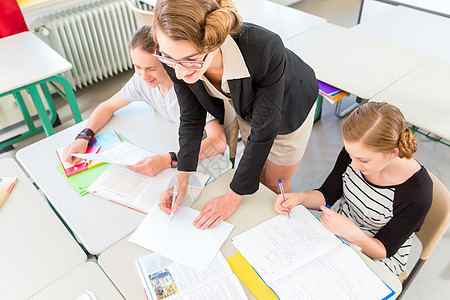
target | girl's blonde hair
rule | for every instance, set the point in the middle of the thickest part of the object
(204, 23)
(381, 127)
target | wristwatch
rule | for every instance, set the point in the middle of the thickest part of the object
(174, 160)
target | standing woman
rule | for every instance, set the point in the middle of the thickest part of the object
(237, 72)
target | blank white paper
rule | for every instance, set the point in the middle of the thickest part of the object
(178, 239)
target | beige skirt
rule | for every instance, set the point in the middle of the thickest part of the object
(287, 149)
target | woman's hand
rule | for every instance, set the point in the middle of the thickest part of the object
(217, 210)
(339, 224)
(166, 197)
(152, 165)
(79, 146)
(283, 207)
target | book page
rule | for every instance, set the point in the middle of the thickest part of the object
(178, 239)
(123, 154)
(165, 279)
(119, 184)
(339, 274)
(225, 288)
(282, 244)
(6, 186)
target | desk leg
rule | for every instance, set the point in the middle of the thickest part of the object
(318, 113)
(68, 95)
(24, 110)
(349, 109)
(51, 105)
(46, 124)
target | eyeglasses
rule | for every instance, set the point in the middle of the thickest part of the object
(185, 63)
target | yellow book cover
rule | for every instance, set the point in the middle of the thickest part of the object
(245, 272)
(6, 186)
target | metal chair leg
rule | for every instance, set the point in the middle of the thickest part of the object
(349, 109)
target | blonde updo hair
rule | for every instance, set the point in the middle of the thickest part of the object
(204, 23)
(381, 127)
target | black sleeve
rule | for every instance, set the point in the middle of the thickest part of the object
(266, 111)
(192, 123)
(332, 188)
(412, 200)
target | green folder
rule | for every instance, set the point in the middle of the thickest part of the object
(81, 181)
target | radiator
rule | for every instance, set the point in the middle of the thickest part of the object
(286, 2)
(94, 38)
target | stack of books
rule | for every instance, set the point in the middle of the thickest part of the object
(331, 93)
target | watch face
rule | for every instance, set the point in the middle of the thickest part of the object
(174, 164)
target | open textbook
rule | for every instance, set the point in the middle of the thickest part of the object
(165, 279)
(6, 186)
(300, 259)
(141, 192)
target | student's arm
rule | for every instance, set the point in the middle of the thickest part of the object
(99, 117)
(215, 142)
(343, 227)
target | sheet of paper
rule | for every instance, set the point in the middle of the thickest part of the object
(282, 244)
(178, 239)
(338, 275)
(123, 154)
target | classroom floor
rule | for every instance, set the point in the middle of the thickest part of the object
(325, 143)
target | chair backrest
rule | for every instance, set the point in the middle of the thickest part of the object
(142, 17)
(437, 219)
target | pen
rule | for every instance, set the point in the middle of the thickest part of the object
(174, 197)
(282, 193)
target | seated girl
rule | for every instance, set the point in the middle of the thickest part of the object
(385, 193)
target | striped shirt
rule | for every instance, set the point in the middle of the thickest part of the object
(390, 214)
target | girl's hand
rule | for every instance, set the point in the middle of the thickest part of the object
(79, 146)
(152, 165)
(339, 224)
(283, 207)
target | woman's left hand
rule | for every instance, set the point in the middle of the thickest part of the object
(217, 210)
(338, 224)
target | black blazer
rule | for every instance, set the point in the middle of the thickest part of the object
(275, 99)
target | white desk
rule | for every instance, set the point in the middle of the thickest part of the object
(26, 62)
(421, 96)
(36, 249)
(357, 63)
(118, 261)
(439, 7)
(88, 276)
(411, 28)
(97, 223)
(269, 15)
